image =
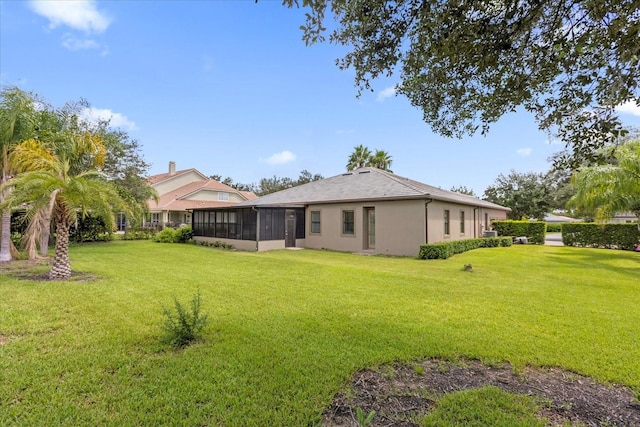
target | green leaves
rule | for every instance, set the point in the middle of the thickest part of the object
(466, 64)
(183, 325)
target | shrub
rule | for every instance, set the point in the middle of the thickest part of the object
(182, 326)
(444, 250)
(184, 234)
(533, 230)
(612, 236)
(168, 235)
(139, 233)
(89, 229)
(554, 227)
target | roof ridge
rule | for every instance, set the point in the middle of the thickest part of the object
(399, 179)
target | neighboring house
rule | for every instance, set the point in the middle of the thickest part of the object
(558, 219)
(624, 217)
(367, 210)
(184, 190)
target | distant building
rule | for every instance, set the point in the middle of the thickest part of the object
(181, 191)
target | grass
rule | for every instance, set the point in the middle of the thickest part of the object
(288, 328)
(486, 406)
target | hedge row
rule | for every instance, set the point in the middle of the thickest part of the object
(444, 250)
(534, 231)
(612, 236)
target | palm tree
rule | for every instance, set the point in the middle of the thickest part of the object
(381, 160)
(16, 123)
(610, 188)
(63, 179)
(359, 158)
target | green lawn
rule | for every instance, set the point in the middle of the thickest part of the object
(288, 328)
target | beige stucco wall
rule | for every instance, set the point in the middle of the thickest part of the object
(474, 221)
(176, 182)
(400, 227)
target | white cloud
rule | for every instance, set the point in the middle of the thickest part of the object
(80, 14)
(116, 120)
(387, 93)
(76, 44)
(524, 152)
(281, 158)
(629, 107)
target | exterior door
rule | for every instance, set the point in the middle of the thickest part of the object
(290, 229)
(370, 228)
(121, 222)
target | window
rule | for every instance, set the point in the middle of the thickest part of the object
(315, 221)
(348, 222)
(223, 196)
(446, 221)
(155, 217)
(461, 222)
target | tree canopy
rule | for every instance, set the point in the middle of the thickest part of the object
(526, 194)
(62, 177)
(27, 121)
(269, 185)
(611, 188)
(462, 189)
(362, 156)
(465, 64)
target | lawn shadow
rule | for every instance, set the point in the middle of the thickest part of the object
(601, 258)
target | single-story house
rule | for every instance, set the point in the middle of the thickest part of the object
(367, 210)
(624, 218)
(181, 191)
(558, 219)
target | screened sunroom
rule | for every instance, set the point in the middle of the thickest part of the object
(250, 228)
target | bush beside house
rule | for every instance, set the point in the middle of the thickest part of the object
(444, 250)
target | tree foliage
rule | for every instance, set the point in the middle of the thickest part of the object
(463, 190)
(34, 134)
(611, 188)
(63, 178)
(525, 193)
(363, 157)
(465, 64)
(269, 185)
(17, 122)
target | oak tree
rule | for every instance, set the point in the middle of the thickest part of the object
(466, 64)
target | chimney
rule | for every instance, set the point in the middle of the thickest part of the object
(172, 168)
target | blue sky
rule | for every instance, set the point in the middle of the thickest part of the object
(229, 88)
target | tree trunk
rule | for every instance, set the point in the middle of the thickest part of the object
(61, 268)
(44, 237)
(5, 235)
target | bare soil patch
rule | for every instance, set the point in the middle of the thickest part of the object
(38, 270)
(403, 394)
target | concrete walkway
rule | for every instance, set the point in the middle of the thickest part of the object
(553, 239)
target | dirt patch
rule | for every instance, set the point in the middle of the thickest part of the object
(403, 394)
(38, 271)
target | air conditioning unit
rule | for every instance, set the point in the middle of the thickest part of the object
(490, 233)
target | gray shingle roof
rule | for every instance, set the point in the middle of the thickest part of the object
(363, 184)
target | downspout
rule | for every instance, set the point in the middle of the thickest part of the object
(475, 222)
(257, 211)
(426, 221)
